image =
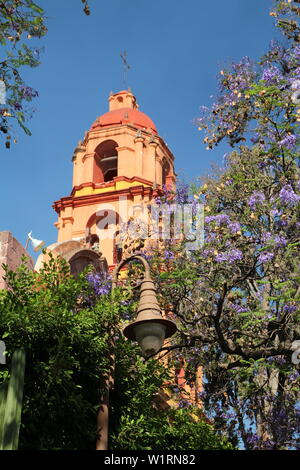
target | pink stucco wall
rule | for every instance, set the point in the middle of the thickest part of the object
(11, 252)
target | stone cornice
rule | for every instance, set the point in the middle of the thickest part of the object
(91, 199)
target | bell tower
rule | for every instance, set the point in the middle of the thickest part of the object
(122, 161)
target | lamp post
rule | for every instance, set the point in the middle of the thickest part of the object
(149, 329)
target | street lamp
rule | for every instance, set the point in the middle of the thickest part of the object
(149, 329)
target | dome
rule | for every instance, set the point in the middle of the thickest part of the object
(124, 116)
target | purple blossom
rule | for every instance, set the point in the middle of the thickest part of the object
(209, 218)
(234, 255)
(234, 227)
(275, 213)
(231, 256)
(282, 223)
(272, 75)
(169, 255)
(294, 376)
(295, 53)
(207, 253)
(18, 106)
(100, 282)
(289, 308)
(265, 256)
(182, 193)
(126, 316)
(221, 257)
(288, 196)
(220, 219)
(28, 92)
(240, 308)
(280, 241)
(242, 76)
(296, 72)
(262, 165)
(210, 236)
(256, 198)
(289, 141)
(184, 403)
(280, 360)
(266, 236)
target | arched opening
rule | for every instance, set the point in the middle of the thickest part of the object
(92, 240)
(105, 225)
(106, 161)
(84, 258)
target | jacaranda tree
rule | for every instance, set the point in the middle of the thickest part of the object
(21, 22)
(237, 298)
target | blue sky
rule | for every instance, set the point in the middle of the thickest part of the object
(175, 50)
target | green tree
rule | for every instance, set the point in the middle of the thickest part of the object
(141, 417)
(65, 334)
(69, 327)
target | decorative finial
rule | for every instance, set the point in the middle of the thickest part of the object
(126, 67)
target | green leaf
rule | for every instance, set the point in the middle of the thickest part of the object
(36, 8)
(25, 129)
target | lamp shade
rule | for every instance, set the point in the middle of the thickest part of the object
(37, 244)
(150, 336)
(150, 329)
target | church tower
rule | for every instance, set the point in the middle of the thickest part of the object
(119, 166)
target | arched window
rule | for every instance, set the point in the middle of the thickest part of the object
(106, 161)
